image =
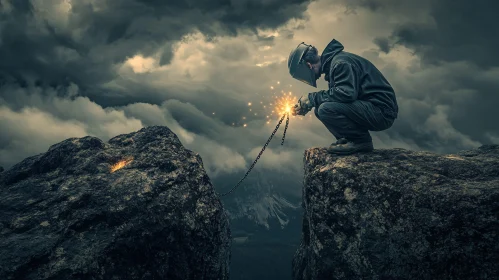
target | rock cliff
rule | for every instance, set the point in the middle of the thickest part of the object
(137, 207)
(399, 214)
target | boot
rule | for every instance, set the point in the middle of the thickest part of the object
(350, 147)
(339, 141)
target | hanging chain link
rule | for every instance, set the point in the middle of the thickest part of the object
(259, 154)
(285, 128)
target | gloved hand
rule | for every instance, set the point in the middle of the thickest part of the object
(302, 107)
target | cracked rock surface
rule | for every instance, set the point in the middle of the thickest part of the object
(65, 215)
(400, 214)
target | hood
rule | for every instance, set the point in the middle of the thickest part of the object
(329, 52)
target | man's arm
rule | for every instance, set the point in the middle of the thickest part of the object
(344, 87)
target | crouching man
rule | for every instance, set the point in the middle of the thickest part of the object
(359, 98)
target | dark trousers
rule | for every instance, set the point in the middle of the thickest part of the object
(353, 120)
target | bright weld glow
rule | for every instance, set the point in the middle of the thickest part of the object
(284, 104)
(280, 103)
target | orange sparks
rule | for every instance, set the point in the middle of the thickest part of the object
(284, 105)
(279, 102)
(120, 164)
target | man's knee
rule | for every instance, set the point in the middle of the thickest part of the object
(330, 109)
(316, 112)
(385, 124)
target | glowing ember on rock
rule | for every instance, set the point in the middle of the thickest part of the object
(120, 164)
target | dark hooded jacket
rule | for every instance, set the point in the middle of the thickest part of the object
(351, 78)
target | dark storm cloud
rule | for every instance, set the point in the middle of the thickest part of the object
(239, 13)
(194, 120)
(447, 107)
(383, 44)
(478, 115)
(370, 4)
(167, 55)
(208, 99)
(457, 30)
(40, 44)
(463, 30)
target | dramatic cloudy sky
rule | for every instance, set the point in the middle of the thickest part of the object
(71, 68)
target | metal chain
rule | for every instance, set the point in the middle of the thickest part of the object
(285, 128)
(258, 157)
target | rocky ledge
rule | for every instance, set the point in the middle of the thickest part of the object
(138, 207)
(399, 214)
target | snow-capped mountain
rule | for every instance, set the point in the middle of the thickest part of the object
(265, 219)
(263, 198)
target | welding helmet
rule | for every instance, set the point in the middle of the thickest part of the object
(298, 68)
